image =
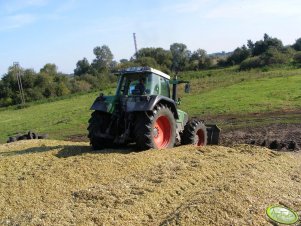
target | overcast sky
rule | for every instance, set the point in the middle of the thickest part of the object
(36, 32)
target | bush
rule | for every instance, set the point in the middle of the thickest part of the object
(274, 56)
(92, 80)
(238, 56)
(4, 102)
(80, 86)
(61, 89)
(252, 62)
(222, 62)
(297, 58)
(34, 94)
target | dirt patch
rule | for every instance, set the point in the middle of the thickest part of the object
(276, 136)
(260, 129)
(46, 182)
(77, 138)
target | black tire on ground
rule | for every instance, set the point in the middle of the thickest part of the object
(156, 129)
(42, 136)
(11, 139)
(195, 133)
(23, 137)
(29, 135)
(34, 135)
(98, 123)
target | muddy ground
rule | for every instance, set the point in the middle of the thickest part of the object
(47, 182)
(288, 136)
(275, 130)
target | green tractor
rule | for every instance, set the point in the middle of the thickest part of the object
(143, 112)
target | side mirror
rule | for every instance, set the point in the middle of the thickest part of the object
(101, 97)
(187, 88)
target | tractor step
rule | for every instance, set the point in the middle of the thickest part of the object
(213, 132)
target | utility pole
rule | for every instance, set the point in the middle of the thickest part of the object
(18, 75)
(135, 43)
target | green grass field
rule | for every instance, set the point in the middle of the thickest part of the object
(255, 96)
(214, 92)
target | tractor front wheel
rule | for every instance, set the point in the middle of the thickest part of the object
(195, 133)
(156, 129)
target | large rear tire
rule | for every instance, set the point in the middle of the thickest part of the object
(195, 133)
(98, 123)
(156, 129)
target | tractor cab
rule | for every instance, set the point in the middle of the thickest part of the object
(143, 81)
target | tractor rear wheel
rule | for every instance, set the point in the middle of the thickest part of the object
(195, 133)
(98, 123)
(156, 129)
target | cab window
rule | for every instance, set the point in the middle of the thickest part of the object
(164, 87)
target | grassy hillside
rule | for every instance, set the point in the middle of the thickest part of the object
(58, 119)
(214, 92)
(260, 95)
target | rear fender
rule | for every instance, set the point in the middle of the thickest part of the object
(104, 104)
(148, 103)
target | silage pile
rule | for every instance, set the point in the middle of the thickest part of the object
(62, 183)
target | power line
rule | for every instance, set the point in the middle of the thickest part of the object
(18, 75)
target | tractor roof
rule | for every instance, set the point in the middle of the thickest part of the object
(132, 70)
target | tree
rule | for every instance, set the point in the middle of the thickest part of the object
(180, 56)
(82, 67)
(103, 60)
(199, 60)
(49, 69)
(274, 56)
(297, 45)
(28, 78)
(297, 58)
(161, 56)
(238, 56)
(123, 61)
(126, 63)
(250, 45)
(263, 45)
(147, 61)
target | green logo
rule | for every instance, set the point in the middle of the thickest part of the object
(282, 215)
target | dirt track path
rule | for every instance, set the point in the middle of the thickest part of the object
(52, 182)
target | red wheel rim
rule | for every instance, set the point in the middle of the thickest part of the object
(162, 132)
(200, 138)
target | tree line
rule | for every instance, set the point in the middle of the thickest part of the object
(265, 52)
(97, 75)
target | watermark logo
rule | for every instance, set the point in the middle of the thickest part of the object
(282, 215)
